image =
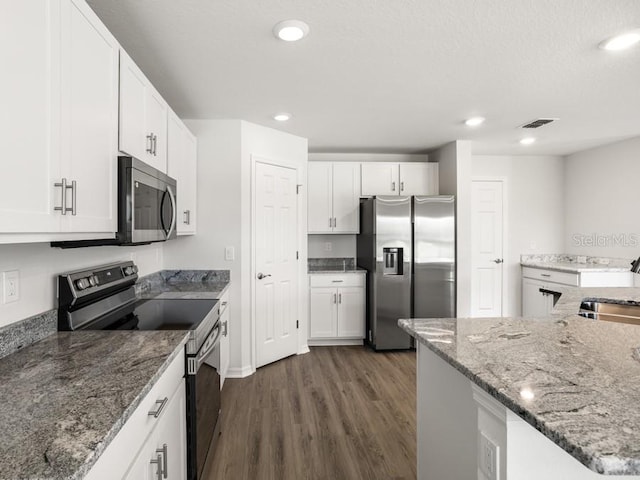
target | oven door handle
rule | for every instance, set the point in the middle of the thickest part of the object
(208, 346)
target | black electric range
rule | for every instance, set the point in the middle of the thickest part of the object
(104, 298)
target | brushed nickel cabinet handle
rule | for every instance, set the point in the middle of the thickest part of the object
(393, 186)
(149, 148)
(63, 203)
(73, 197)
(158, 462)
(339, 298)
(402, 186)
(156, 413)
(165, 461)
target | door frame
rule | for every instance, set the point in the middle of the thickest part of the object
(505, 248)
(255, 159)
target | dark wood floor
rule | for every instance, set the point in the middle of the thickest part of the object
(335, 413)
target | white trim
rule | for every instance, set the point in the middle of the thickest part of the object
(303, 349)
(335, 341)
(505, 244)
(240, 372)
(255, 159)
(490, 404)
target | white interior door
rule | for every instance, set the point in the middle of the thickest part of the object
(487, 255)
(276, 279)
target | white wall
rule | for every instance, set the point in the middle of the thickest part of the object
(225, 151)
(39, 265)
(602, 198)
(455, 179)
(534, 212)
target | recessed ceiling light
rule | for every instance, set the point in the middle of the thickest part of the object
(474, 121)
(527, 140)
(291, 30)
(282, 117)
(621, 42)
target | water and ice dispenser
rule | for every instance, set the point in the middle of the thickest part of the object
(392, 261)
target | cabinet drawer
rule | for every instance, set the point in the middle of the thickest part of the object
(122, 450)
(344, 280)
(566, 278)
(224, 302)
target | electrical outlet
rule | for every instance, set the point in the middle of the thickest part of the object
(229, 253)
(328, 246)
(10, 286)
(488, 460)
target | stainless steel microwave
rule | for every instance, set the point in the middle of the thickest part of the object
(147, 208)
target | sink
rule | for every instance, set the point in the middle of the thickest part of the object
(611, 311)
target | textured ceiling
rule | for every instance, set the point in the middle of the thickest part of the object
(394, 75)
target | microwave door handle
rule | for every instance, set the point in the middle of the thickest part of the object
(174, 211)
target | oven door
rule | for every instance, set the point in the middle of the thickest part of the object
(203, 404)
(153, 208)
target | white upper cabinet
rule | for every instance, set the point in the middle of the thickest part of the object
(333, 202)
(143, 116)
(382, 178)
(182, 164)
(89, 120)
(419, 179)
(59, 122)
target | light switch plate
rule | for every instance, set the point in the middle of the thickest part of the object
(488, 457)
(10, 286)
(229, 253)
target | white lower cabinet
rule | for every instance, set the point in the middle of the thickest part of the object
(224, 339)
(538, 285)
(152, 444)
(337, 308)
(164, 454)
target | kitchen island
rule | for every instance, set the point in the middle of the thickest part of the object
(558, 396)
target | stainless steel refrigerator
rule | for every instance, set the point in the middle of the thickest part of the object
(407, 244)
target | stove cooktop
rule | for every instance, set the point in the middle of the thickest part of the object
(159, 314)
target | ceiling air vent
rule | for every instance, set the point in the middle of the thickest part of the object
(538, 123)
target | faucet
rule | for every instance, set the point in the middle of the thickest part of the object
(635, 265)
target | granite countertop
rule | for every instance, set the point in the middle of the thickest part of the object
(335, 269)
(572, 267)
(66, 397)
(584, 374)
(575, 263)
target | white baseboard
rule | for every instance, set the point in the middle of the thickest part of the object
(336, 341)
(303, 349)
(241, 372)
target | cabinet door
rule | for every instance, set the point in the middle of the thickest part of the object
(190, 177)
(89, 119)
(30, 165)
(346, 198)
(418, 179)
(319, 200)
(323, 313)
(351, 312)
(379, 179)
(156, 110)
(224, 345)
(134, 139)
(181, 165)
(534, 303)
(170, 431)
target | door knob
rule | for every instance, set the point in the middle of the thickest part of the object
(498, 260)
(262, 275)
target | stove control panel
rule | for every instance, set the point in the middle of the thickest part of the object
(83, 286)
